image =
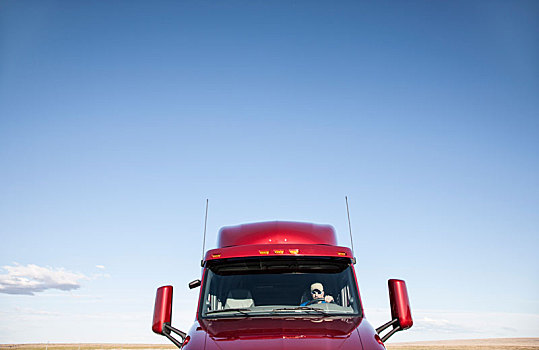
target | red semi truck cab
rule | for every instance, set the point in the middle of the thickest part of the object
(280, 285)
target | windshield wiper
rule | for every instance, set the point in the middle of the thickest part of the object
(301, 308)
(240, 310)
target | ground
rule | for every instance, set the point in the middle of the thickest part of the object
(471, 344)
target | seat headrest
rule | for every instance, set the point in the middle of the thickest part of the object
(239, 298)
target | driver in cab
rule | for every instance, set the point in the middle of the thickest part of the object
(318, 296)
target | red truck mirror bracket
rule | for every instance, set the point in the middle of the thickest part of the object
(166, 333)
(401, 315)
(162, 316)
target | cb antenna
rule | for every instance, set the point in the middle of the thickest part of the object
(350, 229)
(204, 239)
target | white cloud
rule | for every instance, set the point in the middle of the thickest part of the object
(32, 279)
(102, 267)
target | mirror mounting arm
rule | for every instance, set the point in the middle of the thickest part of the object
(393, 331)
(390, 323)
(396, 328)
(166, 332)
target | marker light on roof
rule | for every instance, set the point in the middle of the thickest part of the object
(278, 251)
(216, 255)
(293, 251)
(264, 252)
(342, 253)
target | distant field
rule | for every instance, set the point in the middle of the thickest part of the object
(87, 346)
(473, 344)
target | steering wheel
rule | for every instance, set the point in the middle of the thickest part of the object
(316, 301)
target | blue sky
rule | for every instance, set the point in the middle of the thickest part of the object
(118, 120)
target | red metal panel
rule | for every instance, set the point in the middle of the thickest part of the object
(301, 333)
(309, 333)
(281, 232)
(162, 312)
(369, 339)
(264, 250)
(197, 338)
(400, 305)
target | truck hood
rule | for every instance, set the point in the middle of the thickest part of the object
(283, 333)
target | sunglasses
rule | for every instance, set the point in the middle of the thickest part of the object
(317, 291)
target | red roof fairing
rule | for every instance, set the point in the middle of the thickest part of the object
(282, 232)
(277, 238)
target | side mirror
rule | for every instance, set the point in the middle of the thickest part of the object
(162, 311)
(401, 315)
(400, 305)
(194, 284)
(162, 315)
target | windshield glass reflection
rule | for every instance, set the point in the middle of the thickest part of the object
(280, 286)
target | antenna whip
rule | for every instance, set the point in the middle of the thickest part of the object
(350, 229)
(204, 239)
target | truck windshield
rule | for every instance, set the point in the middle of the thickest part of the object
(279, 286)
